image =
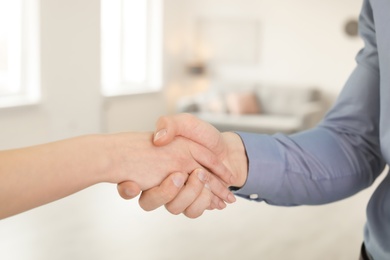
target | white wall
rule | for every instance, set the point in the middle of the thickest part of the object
(70, 77)
(134, 112)
(69, 46)
(301, 42)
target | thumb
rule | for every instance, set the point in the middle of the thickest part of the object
(155, 197)
(128, 190)
(190, 127)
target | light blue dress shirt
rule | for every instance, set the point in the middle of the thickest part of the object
(346, 151)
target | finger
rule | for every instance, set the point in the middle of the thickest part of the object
(190, 127)
(214, 202)
(201, 203)
(198, 131)
(220, 189)
(164, 193)
(217, 203)
(189, 193)
(128, 190)
(210, 161)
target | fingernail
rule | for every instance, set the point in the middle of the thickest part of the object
(202, 175)
(160, 134)
(129, 193)
(221, 205)
(178, 181)
(231, 198)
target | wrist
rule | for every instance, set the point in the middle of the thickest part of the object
(127, 156)
(111, 155)
(236, 158)
(97, 156)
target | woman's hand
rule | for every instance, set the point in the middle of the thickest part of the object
(227, 147)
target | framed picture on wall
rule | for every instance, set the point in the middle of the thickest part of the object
(228, 40)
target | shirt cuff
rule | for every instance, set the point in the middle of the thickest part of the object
(265, 167)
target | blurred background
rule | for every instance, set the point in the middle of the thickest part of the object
(73, 67)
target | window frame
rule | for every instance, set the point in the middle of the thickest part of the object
(28, 90)
(117, 85)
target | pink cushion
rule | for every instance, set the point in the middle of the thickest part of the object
(239, 103)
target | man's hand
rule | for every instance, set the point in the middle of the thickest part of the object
(191, 199)
(132, 156)
(227, 146)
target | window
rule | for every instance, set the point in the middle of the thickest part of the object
(131, 46)
(19, 81)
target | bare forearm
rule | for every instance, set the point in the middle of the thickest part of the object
(33, 176)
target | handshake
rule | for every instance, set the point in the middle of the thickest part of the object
(187, 165)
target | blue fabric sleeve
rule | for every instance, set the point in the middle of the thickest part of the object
(346, 151)
(332, 161)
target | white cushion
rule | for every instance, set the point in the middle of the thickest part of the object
(283, 101)
(253, 123)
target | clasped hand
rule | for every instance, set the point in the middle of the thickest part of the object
(199, 182)
(188, 168)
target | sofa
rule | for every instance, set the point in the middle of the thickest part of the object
(260, 108)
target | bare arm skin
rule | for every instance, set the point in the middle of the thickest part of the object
(33, 176)
(228, 147)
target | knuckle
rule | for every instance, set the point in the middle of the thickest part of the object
(144, 206)
(193, 214)
(189, 117)
(167, 194)
(214, 161)
(173, 210)
(162, 118)
(162, 121)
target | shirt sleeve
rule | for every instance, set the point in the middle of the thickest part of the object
(332, 161)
